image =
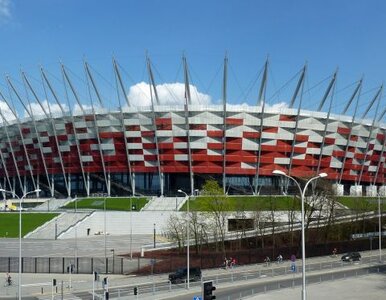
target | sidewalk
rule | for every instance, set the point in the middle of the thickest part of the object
(40, 285)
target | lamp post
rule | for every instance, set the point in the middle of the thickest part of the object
(113, 252)
(187, 240)
(302, 195)
(20, 207)
(154, 233)
(379, 228)
(104, 230)
(131, 227)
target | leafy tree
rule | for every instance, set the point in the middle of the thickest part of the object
(217, 208)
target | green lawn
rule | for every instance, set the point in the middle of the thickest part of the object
(118, 203)
(9, 222)
(362, 203)
(246, 203)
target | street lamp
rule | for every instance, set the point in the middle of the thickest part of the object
(154, 234)
(379, 228)
(302, 194)
(113, 252)
(20, 207)
(188, 240)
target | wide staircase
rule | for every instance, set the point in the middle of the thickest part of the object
(120, 223)
(52, 204)
(164, 204)
(58, 225)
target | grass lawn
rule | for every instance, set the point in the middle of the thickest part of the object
(9, 222)
(362, 203)
(119, 203)
(246, 203)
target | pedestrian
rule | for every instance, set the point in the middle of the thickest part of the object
(267, 261)
(233, 263)
(8, 279)
(279, 259)
(225, 263)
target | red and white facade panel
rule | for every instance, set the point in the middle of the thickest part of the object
(296, 144)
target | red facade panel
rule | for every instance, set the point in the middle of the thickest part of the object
(234, 121)
(251, 135)
(215, 133)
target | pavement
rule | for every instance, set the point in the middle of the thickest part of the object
(370, 287)
(40, 285)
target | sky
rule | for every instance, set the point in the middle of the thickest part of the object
(327, 35)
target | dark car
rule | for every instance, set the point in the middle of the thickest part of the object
(351, 256)
(181, 275)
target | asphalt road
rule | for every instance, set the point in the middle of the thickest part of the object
(241, 279)
(258, 289)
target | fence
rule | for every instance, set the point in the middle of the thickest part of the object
(78, 265)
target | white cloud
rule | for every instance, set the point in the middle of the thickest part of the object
(5, 9)
(6, 112)
(37, 110)
(278, 106)
(77, 109)
(238, 106)
(168, 94)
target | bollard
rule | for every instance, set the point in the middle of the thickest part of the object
(170, 286)
(42, 290)
(265, 289)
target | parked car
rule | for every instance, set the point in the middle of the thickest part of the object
(351, 256)
(181, 275)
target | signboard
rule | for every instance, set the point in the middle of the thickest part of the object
(366, 235)
(197, 298)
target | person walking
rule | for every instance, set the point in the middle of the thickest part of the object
(267, 261)
(279, 259)
(8, 279)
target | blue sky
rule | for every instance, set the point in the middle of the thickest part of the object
(327, 34)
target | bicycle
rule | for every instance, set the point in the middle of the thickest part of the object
(8, 282)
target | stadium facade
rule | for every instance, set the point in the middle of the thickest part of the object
(160, 149)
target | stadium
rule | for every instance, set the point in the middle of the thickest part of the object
(158, 149)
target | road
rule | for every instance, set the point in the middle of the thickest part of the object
(231, 283)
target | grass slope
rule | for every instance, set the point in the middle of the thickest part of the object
(9, 222)
(118, 203)
(245, 203)
(361, 203)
